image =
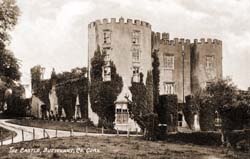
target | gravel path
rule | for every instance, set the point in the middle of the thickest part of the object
(39, 133)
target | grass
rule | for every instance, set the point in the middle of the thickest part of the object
(6, 134)
(115, 147)
(61, 125)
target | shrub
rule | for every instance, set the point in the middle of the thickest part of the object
(167, 111)
(198, 138)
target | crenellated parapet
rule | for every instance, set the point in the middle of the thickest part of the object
(209, 41)
(163, 39)
(121, 20)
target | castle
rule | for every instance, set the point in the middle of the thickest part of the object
(185, 66)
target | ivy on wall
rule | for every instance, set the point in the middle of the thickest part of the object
(103, 94)
(141, 107)
(68, 86)
(167, 111)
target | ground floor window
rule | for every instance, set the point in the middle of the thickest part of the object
(121, 116)
(168, 87)
(180, 116)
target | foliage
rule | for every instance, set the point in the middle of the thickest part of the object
(41, 88)
(197, 138)
(9, 65)
(150, 94)
(189, 111)
(167, 111)
(69, 85)
(156, 78)
(141, 106)
(16, 104)
(222, 96)
(103, 94)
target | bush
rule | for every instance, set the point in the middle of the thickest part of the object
(189, 111)
(167, 111)
(198, 138)
(240, 140)
(207, 116)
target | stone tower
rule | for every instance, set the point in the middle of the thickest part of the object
(206, 65)
(174, 57)
(127, 44)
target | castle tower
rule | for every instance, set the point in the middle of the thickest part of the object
(127, 44)
(206, 63)
(175, 64)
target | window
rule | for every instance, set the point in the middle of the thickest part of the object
(209, 62)
(136, 74)
(136, 37)
(180, 119)
(168, 61)
(106, 73)
(135, 55)
(208, 84)
(121, 116)
(168, 88)
(106, 36)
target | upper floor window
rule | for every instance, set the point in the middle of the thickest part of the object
(209, 62)
(135, 55)
(106, 36)
(168, 87)
(136, 74)
(168, 61)
(136, 37)
(106, 73)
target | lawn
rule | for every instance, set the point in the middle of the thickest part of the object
(5, 134)
(112, 147)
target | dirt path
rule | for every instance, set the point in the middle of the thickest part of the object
(39, 133)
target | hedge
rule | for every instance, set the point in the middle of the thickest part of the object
(198, 138)
(167, 111)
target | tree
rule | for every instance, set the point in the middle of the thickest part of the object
(223, 97)
(103, 94)
(156, 79)
(9, 65)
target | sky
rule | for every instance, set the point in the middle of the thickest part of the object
(53, 33)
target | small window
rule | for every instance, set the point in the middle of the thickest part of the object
(136, 74)
(209, 62)
(180, 116)
(107, 74)
(136, 37)
(168, 61)
(169, 88)
(106, 36)
(208, 84)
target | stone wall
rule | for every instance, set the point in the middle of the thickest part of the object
(175, 75)
(201, 75)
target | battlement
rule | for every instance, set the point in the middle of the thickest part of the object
(163, 38)
(207, 41)
(120, 21)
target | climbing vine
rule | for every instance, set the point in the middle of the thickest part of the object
(103, 94)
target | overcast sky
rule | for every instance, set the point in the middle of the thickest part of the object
(53, 33)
